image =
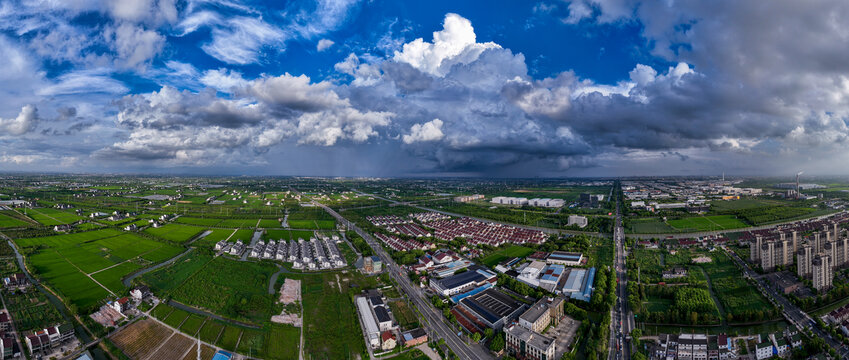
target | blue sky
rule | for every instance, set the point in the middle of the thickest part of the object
(390, 88)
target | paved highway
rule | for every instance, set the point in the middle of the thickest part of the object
(434, 321)
(622, 320)
(791, 312)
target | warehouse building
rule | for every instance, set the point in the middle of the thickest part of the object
(476, 276)
(493, 308)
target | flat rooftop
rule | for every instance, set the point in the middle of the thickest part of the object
(491, 305)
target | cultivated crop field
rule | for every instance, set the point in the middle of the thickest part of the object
(175, 232)
(140, 339)
(32, 311)
(11, 222)
(66, 261)
(50, 217)
(174, 348)
(737, 296)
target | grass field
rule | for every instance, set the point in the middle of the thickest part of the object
(176, 318)
(111, 278)
(175, 232)
(404, 314)
(168, 278)
(283, 342)
(331, 327)
(506, 253)
(245, 283)
(707, 223)
(648, 226)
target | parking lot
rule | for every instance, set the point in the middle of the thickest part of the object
(564, 335)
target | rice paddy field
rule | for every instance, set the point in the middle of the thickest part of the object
(86, 267)
(175, 232)
(7, 221)
(50, 217)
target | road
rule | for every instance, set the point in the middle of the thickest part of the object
(434, 321)
(622, 318)
(791, 312)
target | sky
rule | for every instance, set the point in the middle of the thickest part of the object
(425, 88)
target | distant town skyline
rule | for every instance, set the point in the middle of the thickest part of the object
(582, 88)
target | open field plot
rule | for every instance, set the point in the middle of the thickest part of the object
(175, 232)
(252, 342)
(283, 342)
(215, 236)
(404, 315)
(269, 223)
(245, 283)
(229, 337)
(68, 258)
(162, 311)
(210, 331)
(238, 223)
(505, 253)
(11, 222)
(140, 339)
(175, 319)
(737, 296)
(648, 226)
(50, 217)
(707, 223)
(68, 239)
(67, 280)
(655, 304)
(331, 327)
(198, 221)
(174, 348)
(206, 353)
(192, 324)
(243, 234)
(111, 278)
(313, 224)
(172, 276)
(162, 253)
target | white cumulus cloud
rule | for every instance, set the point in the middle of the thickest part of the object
(324, 44)
(455, 44)
(429, 131)
(22, 124)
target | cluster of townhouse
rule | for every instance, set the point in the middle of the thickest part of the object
(479, 232)
(10, 346)
(722, 347)
(235, 249)
(320, 252)
(817, 255)
(386, 220)
(469, 198)
(839, 317)
(380, 331)
(398, 225)
(398, 244)
(425, 217)
(45, 340)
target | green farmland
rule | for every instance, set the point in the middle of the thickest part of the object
(505, 253)
(66, 262)
(707, 223)
(175, 232)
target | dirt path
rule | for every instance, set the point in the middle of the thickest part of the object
(722, 317)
